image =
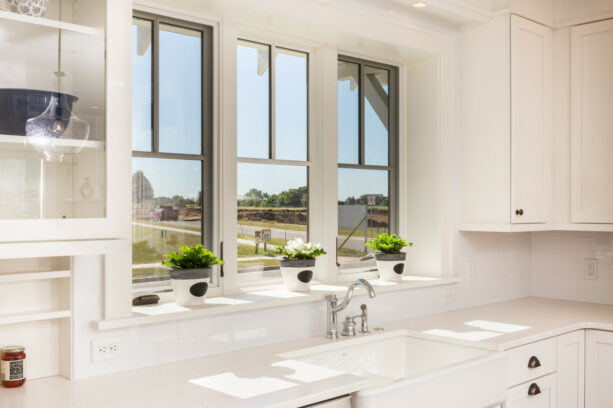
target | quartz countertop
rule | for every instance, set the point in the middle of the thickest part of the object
(258, 377)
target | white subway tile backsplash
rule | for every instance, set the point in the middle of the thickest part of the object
(177, 350)
(557, 266)
(156, 333)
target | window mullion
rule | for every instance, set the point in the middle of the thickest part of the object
(272, 100)
(362, 144)
(156, 86)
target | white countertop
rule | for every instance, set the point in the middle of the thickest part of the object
(257, 377)
(504, 325)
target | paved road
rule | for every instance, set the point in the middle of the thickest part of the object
(353, 243)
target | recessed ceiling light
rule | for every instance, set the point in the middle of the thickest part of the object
(419, 4)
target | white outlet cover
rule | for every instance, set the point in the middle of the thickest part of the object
(108, 348)
(448, 297)
(590, 269)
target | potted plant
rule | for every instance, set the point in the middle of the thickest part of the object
(390, 259)
(298, 263)
(190, 273)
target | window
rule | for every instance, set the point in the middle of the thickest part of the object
(367, 159)
(171, 140)
(273, 156)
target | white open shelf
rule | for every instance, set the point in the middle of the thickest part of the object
(16, 141)
(23, 317)
(31, 276)
(8, 16)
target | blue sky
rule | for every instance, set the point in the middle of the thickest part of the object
(180, 120)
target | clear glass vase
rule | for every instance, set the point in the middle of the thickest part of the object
(57, 133)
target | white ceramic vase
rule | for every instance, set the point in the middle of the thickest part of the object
(35, 8)
(390, 266)
(190, 285)
(297, 274)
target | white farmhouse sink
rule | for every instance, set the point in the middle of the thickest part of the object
(407, 371)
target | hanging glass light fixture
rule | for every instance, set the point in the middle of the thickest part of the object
(57, 133)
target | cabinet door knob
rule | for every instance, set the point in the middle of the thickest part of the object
(519, 212)
(534, 362)
(534, 389)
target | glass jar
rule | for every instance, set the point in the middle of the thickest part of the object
(12, 366)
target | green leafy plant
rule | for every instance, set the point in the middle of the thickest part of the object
(389, 244)
(298, 249)
(196, 257)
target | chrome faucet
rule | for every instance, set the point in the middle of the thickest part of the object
(333, 307)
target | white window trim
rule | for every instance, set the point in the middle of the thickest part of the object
(323, 148)
(215, 24)
(231, 35)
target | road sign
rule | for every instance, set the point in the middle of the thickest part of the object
(266, 234)
(372, 200)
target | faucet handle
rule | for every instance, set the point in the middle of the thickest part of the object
(364, 317)
(348, 326)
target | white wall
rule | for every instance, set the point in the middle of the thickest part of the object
(501, 264)
(557, 265)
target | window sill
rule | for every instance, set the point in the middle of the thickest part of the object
(257, 298)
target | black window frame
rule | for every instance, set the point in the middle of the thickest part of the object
(205, 156)
(393, 134)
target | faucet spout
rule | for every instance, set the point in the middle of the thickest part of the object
(349, 294)
(333, 308)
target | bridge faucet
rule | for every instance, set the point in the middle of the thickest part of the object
(333, 307)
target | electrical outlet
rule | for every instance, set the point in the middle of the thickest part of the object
(470, 271)
(590, 269)
(109, 348)
(449, 297)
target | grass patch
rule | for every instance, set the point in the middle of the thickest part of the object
(169, 225)
(245, 251)
(372, 232)
(273, 241)
(151, 244)
(352, 253)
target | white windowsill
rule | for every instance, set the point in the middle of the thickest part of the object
(256, 298)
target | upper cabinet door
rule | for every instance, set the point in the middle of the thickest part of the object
(592, 123)
(531, 72)
(65, 153)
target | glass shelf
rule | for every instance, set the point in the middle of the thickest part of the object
(17, 142)
(7, 17)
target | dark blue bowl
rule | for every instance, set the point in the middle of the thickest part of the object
(19, 105)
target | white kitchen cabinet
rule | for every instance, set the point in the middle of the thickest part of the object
(591, 122)
(531, 152)
(598, 369)
(570, 369)
(539, 393)
(506, 125)
(68, 55)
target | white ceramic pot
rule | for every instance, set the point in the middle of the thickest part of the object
(297, 274)
(36, 8)
(190, 285)
(390, 266)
